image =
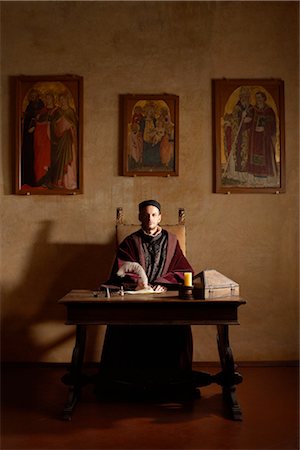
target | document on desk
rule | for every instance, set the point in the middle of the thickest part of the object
(143, 291)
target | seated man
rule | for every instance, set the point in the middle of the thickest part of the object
(148, 355)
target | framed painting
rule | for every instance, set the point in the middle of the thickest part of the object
(248, 136)
(149, 130)
(49, 135)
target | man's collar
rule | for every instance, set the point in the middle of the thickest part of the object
(158, 231)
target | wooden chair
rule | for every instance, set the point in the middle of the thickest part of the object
(123, 229)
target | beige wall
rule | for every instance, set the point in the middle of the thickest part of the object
(51, 244)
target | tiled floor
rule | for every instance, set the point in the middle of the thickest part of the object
(33, 398)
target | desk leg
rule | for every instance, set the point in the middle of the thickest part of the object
(74, 378)
(228, 378)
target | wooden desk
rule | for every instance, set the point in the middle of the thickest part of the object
(84, 308)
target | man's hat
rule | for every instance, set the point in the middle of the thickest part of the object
(145, 203)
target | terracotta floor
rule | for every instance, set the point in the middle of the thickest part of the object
(33, 398)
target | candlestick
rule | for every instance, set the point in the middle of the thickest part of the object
(186, 292)
(188, 279)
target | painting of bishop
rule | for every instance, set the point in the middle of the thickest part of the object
(250, 144)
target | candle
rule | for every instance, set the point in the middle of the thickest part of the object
(188, 278)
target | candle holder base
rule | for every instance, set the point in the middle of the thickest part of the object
(186, 292)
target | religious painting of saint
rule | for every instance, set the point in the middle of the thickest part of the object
(48, 135)
(149, 143)
(248, 119)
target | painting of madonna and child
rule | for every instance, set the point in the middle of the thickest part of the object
(49, 135)
(249, 136)
(150, 135)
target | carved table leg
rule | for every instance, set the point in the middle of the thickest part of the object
(228, 378)
(74, 378)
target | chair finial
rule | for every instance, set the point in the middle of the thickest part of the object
(120, 216)
(181, 216)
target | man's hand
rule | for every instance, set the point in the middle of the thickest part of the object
(159, 288)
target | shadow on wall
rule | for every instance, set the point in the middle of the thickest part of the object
(32, 323)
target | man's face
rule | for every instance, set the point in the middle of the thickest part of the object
(260, 101)
(150, 217)
(245, 100)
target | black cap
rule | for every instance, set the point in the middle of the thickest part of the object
(145, 203)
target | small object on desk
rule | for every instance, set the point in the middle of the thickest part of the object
(147, 290)
(212, 284)
(186, 292)
(188, 279)
(121, 291)
(107, 293)
(96, 293)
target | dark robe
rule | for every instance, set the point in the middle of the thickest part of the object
(149, 354)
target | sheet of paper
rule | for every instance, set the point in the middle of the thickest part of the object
(142, 291)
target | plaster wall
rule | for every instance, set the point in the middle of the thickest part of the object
(51, 244)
